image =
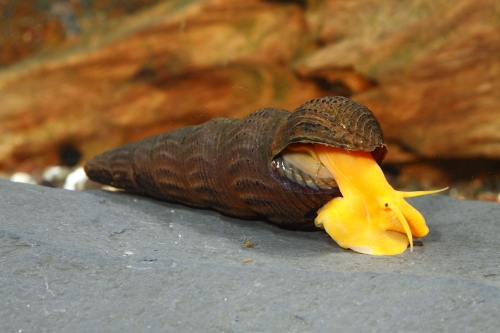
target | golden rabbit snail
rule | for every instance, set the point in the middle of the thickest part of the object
(322, 160)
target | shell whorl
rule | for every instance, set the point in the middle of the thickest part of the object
(333, 121)
(227, 164)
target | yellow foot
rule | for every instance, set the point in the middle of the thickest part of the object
(371, 217)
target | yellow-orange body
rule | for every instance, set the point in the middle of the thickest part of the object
(370, 217)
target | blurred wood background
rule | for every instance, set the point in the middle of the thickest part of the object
(94, 74)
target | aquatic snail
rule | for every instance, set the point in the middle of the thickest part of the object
(318, 165)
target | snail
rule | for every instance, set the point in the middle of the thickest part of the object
(316, 166)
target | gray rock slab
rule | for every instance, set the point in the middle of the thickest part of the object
(99, 261)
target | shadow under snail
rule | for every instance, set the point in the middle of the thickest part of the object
(318, 165)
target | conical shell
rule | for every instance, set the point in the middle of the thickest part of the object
(226, 164)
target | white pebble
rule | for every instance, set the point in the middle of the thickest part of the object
(51, 172)
(76, 180)
(56, 173)
(22, 177)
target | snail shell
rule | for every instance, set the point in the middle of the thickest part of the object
(242, 167)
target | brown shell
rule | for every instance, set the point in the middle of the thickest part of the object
(225, 164)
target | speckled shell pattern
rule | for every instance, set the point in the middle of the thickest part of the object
(226, 164)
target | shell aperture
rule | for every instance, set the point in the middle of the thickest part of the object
(370, 217)
(301, 167)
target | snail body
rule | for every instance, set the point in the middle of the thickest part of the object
(371, 217)
(265, 165)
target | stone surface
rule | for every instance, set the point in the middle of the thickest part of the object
(101, 261)
(428, 69)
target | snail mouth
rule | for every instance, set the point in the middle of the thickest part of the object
(300, 164)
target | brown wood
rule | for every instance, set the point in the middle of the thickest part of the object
(428, 69)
